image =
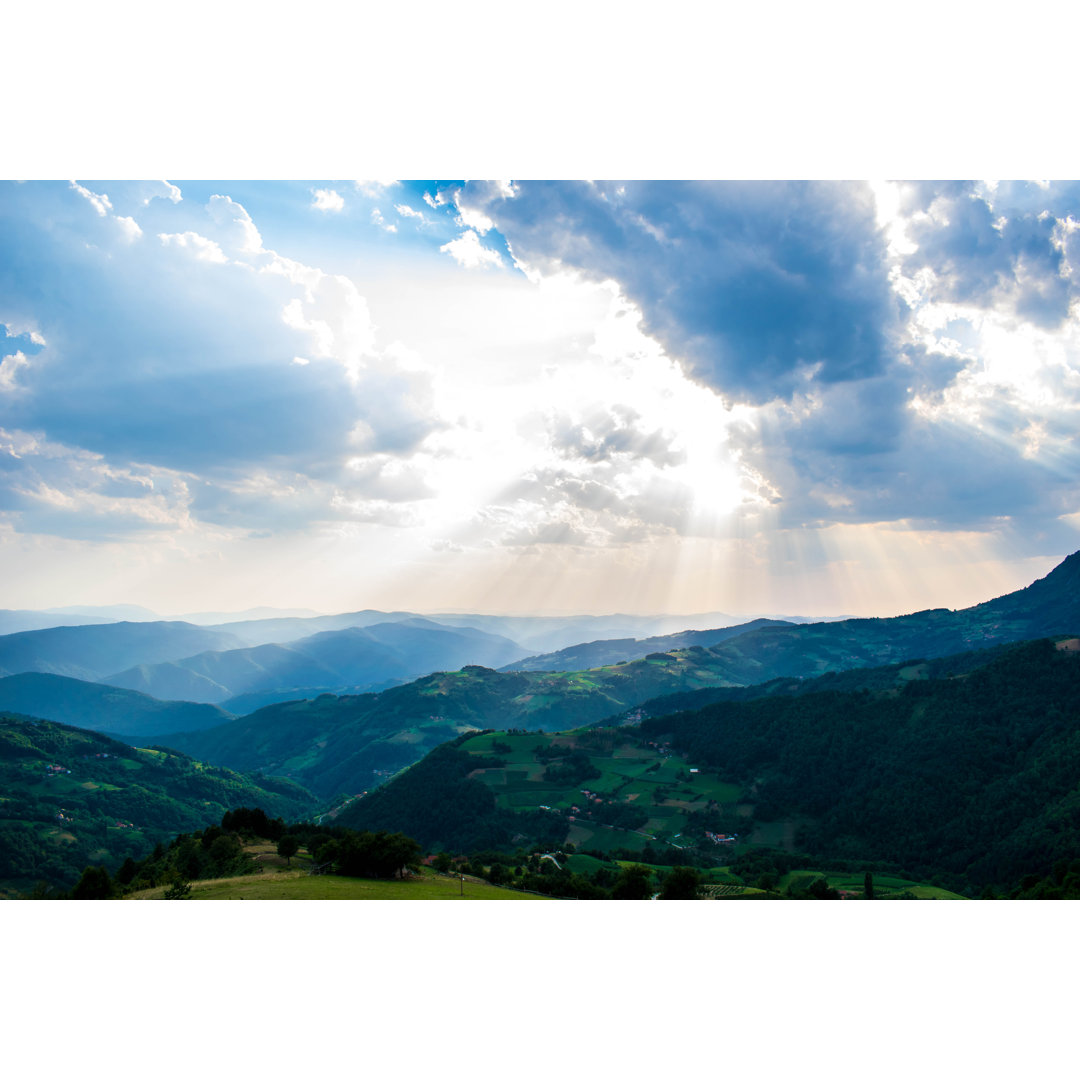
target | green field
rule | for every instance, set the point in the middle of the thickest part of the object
(885, 886)
(633, 775)
(298, 885)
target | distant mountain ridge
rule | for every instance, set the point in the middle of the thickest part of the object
(333, 661)
(92, 652)
(595, 654)
(108, 709)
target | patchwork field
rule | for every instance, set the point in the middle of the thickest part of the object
(613, 790)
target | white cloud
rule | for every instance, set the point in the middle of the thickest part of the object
(99, 202)
(327, 199)
(170, 192)
(130, 227)
(378, 219)
(470, 253)
(203, 249)
(9, 368)
(225, 212)
(375, 189)
(409, 212)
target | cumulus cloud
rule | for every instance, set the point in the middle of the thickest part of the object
(130, 228)
(203, 249)
(200, 377)
(986, 251)
(470, 253)
(9, 367)
(162, 189)
(327, 199)
(756, 288)
(99, 202)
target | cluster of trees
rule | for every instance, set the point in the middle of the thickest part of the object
(573, 769)
(218, 851)
(549, 875)
(438, 804)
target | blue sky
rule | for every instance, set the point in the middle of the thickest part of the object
(819, 398)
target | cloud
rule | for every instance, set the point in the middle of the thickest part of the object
(203, 249)
(470, 253)
(756, 288)
(377, 219)
(197, 377)
(985, 252)
(52, 489)
(9, 367)
(99, 202)
(327, 199)
(242, 234)
(375, 189)
(162, 189)
(130, 228)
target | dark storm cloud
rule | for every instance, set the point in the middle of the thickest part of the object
(754, 286)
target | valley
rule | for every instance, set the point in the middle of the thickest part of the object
(935, 748)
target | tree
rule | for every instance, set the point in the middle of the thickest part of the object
(95, 884)
(868, 886)
(633, 883)
(681, 884)
(178, 890)
(287, 847)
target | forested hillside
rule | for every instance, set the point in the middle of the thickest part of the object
(974, 777)
(73, 797)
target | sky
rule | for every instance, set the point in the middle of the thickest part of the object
(812, 398)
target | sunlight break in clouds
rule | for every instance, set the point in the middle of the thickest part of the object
(796, 398)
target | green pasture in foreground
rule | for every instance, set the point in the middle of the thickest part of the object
(297, 885)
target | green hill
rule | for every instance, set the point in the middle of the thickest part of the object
(73, 797)
(619, 650)
(754, 654)
(350, 744)
(971, 777)
(965, 780)
(103, 708)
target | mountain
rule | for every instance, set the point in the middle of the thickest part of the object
(535, 634)
(968, 779)
(356, 658)
(103, 708)
(972, 778)
(111, 612)
(349, 744)
(1049, 606)
(91, 652)
(16, 621)
(73, 797)
(595, 654)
